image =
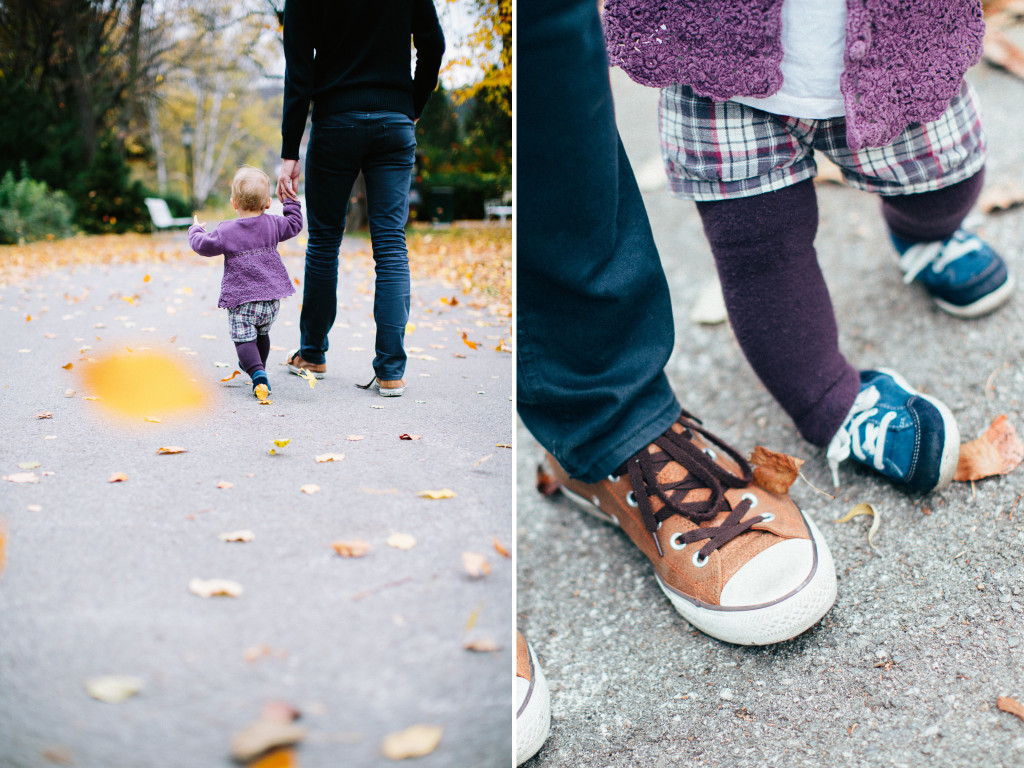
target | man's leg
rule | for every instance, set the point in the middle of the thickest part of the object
(594, 316)
(388, 171)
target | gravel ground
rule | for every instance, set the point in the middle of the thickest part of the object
(927, 630)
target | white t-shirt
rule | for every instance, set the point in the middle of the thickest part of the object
(813, 41)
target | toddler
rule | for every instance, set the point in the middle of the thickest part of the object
(750, 89)
(255, 278)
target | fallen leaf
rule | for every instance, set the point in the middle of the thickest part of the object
(468, 343)
(410, 327)
(225, 484)
(444, 493)
(167, 450)
(326, 457)
(774, 471)
(29, 465)
(503, 445)
(44, 415)
(499, 547)
(407, 436)
(151, 420)
(480, 461)
(282, 443)
(58, 755)
(473, 616)
(118, 477)
(146, 279)
(997, 452)
(208, 337)
(401, 541)
(309, 377)
(1001, 52)
(94, 398)
(214, 587)
(415, 741)
(311, 488)
(482, 645)
(69, 393)
(475, 565)
(34, 508)
(503, 346)
(229, 378)
(452, 302)
(113, 689)
(351, 547)
(243, 535)
(354, 437)
(254, 652)
(265, 734)
(68, 367)
(275, 758)
(1010, 705)
(864, 509)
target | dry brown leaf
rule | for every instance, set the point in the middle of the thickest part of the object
(482, 645)
(997, 452)
(214, 588)
(22, 477)
(415, 741)
(168, 450)
(444, 493)
(310, 488)
(323, 458)
(1010, 705)
(68, 367)
(225, 484)
(113, 689)
(475, 565)
(407, 436)
(468, 343)
(774, 471)
(229, 378)
(118, 477)
(244, 535)
(499, 547)
(401, 541)
(44, 415)
(351, 547)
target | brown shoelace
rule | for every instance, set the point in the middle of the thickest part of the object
(702, 472)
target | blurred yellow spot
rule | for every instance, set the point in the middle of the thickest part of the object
(142, 384)
(147, 278)
(410, 327)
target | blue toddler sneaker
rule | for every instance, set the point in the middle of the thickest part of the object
(909, 437)
(260, 385)
(965, 277)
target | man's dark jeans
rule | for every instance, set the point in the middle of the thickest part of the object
(594, 314)
(383, 146)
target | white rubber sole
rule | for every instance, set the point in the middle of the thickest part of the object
(388, 392)
(951, 444)
(774, 622)
(982, 306)
(533, 721)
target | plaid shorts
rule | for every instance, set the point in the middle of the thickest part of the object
(252, 318)
(722, 150)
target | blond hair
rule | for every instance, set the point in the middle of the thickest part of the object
(250, 189)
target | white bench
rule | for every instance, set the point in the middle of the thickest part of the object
(161, 214)
(499, 208)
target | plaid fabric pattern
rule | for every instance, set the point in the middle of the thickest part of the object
(252, 318)
(724, 150)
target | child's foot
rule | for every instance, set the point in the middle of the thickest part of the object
(260, 385)
(533, 713)
(910, 438)
(965, 277)
(297, 365)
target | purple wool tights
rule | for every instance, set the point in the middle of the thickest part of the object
(252, 355)
(778, 303)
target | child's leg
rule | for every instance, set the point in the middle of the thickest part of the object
(779, 305)
(249, 356)
(931, 216)
(263, 345)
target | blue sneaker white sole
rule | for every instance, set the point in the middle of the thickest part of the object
(982, 306)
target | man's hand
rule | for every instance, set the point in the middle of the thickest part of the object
(288, 180)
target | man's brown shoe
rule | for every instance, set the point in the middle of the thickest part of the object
(738, 562)
(297, 365)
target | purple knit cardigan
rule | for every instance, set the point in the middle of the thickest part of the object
(904, 59)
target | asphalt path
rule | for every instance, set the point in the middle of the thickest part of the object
(97, 575)
(927, 631)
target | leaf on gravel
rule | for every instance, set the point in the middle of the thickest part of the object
(444, 493)
(997, 452)
(774, 471)
(407, 436)
(29, 465)
(482, 645)
(1010, 705)
(351, 547)
(137, 385)
(415, 741)
(151, 420)
(44, 415)
(243, 535)
(401, 541)
(354, 437)
(308, 377)
(864, 509)
(214, 588)
(270, 731)
(225, 484)
(499, 547)
(113, 689)
(468, 343)
(310, 488)
(475, 565)
(229, 378)
(118, 477)
(323, 458)
(167, 450)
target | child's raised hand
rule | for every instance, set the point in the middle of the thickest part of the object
(195, 220)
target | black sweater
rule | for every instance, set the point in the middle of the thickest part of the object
(354, 55)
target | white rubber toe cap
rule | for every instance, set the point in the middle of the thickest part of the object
(770, 575)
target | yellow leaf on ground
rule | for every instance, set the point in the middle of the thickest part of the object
(113, 689)
(214, 587)
(147, 278)
(326, 457)
(401, 541)
(151, 420)
(499, 547)
(997, 452)
(29, 465)
(282, 443)
(118, 477)
(864, 509)
(243, 535)
(410, 327)
(310, 488)
(170, 449)
(444, 493)
(276, 758)
(144, 383)
(351, 547)
(309, 377)
(475, 565)
(415, 741)
(774, 471)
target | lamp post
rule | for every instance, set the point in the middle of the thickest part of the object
(186, 141)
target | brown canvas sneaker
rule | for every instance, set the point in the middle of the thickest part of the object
(297, 365)
(740, 563)
(533, 714)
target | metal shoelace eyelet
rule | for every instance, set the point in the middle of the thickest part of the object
(767, 517)
(697, 561)
(595, 501)
(614, 478)
(752, 499)
(710, 453)
(631, 499)
(676, 542)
